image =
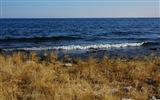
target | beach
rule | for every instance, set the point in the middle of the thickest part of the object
(33, 78)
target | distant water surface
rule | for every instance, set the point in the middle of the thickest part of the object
(130, 36)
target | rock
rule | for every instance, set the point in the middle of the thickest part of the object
(140, 88)
(149, 81)
(53, 61)
(127, 89)
(155, 49)
(67, 64)
(123, 60)
(94, 51)
(154, 98)
(113, 90)
(19, 50)
(1, 51)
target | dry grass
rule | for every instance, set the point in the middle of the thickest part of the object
(25, 77)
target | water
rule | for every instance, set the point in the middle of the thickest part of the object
(128, 36)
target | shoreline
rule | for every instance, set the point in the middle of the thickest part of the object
(129, 52)
(30, 77)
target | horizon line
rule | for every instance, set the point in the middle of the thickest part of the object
(71, 17)
(79, 1)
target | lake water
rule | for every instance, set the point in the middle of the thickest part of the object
(82, 36)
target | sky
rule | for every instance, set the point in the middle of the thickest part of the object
(79, 8)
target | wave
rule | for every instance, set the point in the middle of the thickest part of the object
(122, 38)
(41, 38)
(71, 37)
(151, 43)
(80, 47)
(120, 33)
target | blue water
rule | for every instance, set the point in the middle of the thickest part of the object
(129, 36)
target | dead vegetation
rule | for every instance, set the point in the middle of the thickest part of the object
(25, 77)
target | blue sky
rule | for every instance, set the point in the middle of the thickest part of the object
(79, 8)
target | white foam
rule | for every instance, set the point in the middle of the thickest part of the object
(81, 47)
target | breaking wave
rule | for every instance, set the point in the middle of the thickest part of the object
(81, 47)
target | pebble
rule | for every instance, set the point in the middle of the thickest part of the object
(67, 64)
(127, 89)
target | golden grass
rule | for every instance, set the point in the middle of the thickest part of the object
(25, 77)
